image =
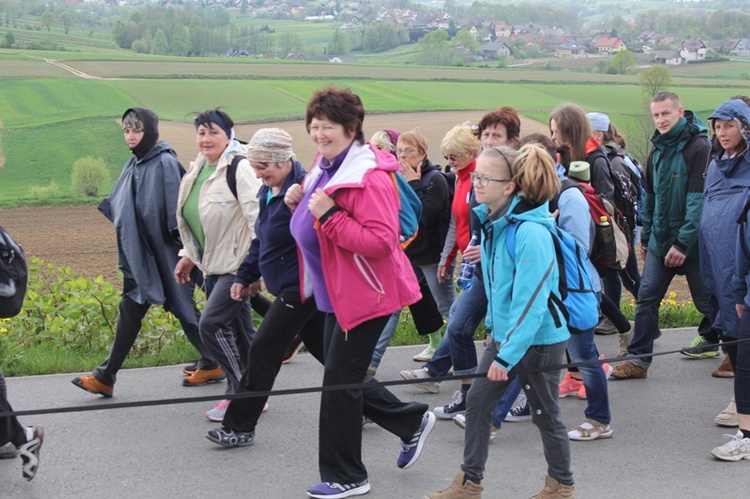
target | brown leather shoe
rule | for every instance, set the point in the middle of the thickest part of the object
(93, 385)
(204, 376)
(628, 370)
(725, 369)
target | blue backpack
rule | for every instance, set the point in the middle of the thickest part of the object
(409, 210)
(577, 301)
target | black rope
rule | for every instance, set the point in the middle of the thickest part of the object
(351, 386)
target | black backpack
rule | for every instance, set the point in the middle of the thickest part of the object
(14, 275)
(626, 190)
(232, 174)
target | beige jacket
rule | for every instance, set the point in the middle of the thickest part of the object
(228, 222)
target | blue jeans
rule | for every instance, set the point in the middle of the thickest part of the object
(581, 348)
(655, 281)
(457, 347)
(444, 295)
(506, 402)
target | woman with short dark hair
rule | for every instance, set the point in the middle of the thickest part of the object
(346, 224)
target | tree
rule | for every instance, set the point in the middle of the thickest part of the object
(180, 41)
(433, 49)
(47, 19)
(339, 44)
(654, 80)
(290, 42)
(621, 62)
(89, 175)
(464, 39)
(161, 45)
(68, 20)
(10, 39)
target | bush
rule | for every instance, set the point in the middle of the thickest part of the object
(89, 174)
(50, 191)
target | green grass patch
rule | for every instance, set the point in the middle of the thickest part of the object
(38, 156)
(43, 102)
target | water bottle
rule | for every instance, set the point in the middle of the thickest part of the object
(466, 271)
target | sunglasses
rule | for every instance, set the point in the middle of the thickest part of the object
(453, 157)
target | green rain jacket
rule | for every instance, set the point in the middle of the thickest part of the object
(674, 188)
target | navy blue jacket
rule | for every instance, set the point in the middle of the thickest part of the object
(273, 252)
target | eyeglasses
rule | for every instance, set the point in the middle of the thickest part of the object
(453, 157)
(485, 181)
(407, 151)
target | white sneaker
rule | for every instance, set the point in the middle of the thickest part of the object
(423, 374)
(728, 417)
(460, 420)
(425, 354)
(736, 449)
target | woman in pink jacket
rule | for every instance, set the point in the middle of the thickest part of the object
(347, 230)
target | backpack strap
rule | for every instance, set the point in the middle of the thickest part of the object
(232, 174)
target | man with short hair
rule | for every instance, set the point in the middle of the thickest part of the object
(671, 218)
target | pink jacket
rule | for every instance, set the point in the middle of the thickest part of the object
(367, 274)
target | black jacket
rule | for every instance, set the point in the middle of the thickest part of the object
(432, 190)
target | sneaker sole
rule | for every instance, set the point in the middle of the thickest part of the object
(517, 419)
(446, 415)
(359, 491)
(567, 394)
(79, 384)
(733, 459)
(421, 358)
(727, 423)
(185, 382)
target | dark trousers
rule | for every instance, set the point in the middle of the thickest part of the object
(742, 366)
(10, 429)
(347, 356)
(286, 317)
(129, 319)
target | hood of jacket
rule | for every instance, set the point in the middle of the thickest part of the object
(361, 159)
(690, 124)
(150, 131)
(733, 109)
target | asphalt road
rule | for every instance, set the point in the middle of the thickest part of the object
(663, 432)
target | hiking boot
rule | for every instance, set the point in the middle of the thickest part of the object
(569, 387)
(421, 374)
(217, 413)
(411, 450)
(30, 451)
(93, 385)
(625, 339)
(293, 349)
(204, 376)
(229, 438)
(457, 406)
(554, 490)
(701, 348)
(736, 449)
(461, 488)
(425, 354)
(590, 430)
(520, 413)
(725, 369)
(605, 327)
(728, 417)
(332, 490)
(8, 451)
(628, 370)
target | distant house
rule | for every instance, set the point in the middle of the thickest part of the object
(741, 48)
(236, 53)
(495, 50)
(473, 30)
(668, 57)
(570, 47)
(501, 29)
(611, 45)
(693, 49)
(295, 57)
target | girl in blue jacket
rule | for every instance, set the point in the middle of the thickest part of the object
(516, 188)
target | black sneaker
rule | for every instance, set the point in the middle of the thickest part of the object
(520, 413)
(701, 348)
(229, 438)
(457, 406)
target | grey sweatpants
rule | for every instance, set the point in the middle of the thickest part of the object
(226, 328)
(541, 390)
